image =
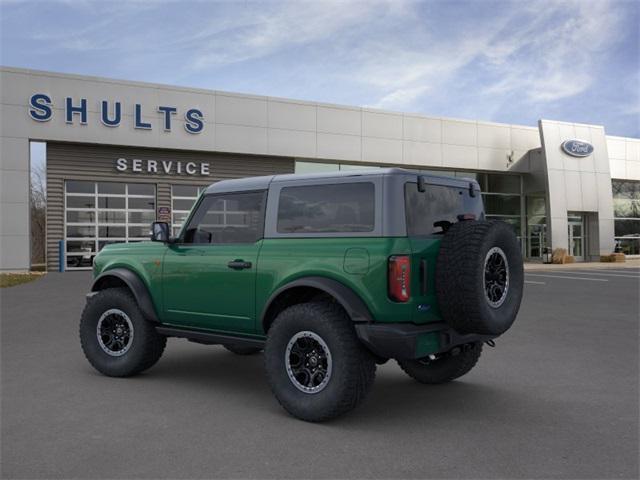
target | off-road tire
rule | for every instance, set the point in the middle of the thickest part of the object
(243, 350)
(461, 277)
(146, 345)
(444, 369)
(353, 367)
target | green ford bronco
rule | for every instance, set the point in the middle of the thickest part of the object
(329, 274)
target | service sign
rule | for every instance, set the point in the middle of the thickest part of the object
(161, 167)
(577, 148)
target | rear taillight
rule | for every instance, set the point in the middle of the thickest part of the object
(399, 278)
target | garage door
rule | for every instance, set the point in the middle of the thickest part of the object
(100, 213)
(182, 199)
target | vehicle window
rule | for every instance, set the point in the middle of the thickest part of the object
(343, 207)
(437, 203)
(232, 218)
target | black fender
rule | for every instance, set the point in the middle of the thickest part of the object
(345, 296)
(135, 284)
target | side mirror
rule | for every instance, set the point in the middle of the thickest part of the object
(160, 232)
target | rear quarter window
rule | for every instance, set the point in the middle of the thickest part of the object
(437, 203)
(333, 208)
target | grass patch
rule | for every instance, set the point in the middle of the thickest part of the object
(13, 279)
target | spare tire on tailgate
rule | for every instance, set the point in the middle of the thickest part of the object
(479, 277)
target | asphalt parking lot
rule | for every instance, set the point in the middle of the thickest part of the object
(556, 398)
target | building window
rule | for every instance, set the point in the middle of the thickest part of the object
(100, 213)
(183, 197)
(626, 212)
(536, 225)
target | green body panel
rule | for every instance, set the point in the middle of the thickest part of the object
(424, 248)
(342, 259)
(192, 285)
(200, 290)
(142, 258)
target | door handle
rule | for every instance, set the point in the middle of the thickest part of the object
(238, 264)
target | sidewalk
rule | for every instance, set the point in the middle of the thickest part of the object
(630, 263)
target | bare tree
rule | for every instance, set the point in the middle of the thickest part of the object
(38, 208)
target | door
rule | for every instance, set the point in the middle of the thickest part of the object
(536, 240)
(209, 274)
(576, 236)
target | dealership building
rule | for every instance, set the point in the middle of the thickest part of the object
(122, 154)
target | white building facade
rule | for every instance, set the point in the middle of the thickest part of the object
(121, 154)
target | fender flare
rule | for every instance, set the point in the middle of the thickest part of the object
(345, 296)
(137, 287)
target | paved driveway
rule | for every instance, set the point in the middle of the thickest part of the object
(557, 398)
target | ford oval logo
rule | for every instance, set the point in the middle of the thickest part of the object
(577, 148)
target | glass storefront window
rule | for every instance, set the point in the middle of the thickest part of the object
(513, 221)
(313, 167)
(626, 208)
(536, 225)
(628, 245)
(499, 183)
(626, 227)
(357, 167)
(626, 212)
(473, 175)
(626, 189)
(501, 204)
(536, 206)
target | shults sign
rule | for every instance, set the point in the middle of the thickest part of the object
(111, 113)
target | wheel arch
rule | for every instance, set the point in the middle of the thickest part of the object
(123, 277)
(307, 288)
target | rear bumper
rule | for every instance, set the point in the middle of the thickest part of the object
(408, 341)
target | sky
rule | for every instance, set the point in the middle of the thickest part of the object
(501, 61)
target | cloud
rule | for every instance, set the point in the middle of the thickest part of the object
(266, 30)
(555, 59)
(494, 59)
(541, 54)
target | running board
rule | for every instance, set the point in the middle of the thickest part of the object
(209, 338)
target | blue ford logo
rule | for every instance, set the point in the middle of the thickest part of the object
(577, 148)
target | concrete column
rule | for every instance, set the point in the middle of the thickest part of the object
(15, 240)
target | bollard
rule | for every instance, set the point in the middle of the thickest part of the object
(61, 264)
